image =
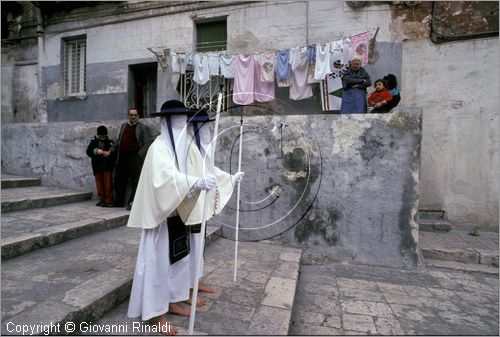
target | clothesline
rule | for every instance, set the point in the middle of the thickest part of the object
(256, 73)
(338, 36)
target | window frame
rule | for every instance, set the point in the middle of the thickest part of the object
(74, 66)
(212, 46)
(205, 96)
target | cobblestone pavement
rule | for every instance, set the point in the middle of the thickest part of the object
(259, 303)
(341, 299)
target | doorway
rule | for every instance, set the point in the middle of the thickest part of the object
(142, 88)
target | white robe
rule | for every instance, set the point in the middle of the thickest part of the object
(153, 289)
(162, 189)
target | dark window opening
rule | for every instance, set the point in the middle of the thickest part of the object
(142, 88)
(211, 36)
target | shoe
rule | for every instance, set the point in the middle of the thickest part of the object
(129, 207)
(107, 204)
(116, 205)
(100, 203)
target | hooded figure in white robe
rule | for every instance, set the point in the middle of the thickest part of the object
(172, 182)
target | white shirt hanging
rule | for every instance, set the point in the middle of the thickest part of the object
(322, 61)
(227, 65)
(299, 88)
(213, 64)
(201, 69)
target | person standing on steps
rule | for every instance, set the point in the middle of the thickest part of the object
(102, 152)
(133, 143)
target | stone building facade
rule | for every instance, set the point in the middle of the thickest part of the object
(453, 80)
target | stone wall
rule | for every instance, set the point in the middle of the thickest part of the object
(455, 83)
(460, 153)
(344, 187)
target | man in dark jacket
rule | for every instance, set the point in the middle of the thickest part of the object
(102, 152)
(133, 142)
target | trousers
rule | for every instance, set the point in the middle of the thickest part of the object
(129, 166)
(104, 185)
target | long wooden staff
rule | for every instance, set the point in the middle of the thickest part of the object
(237, 226)
(210, 169)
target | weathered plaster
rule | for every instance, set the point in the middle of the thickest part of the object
(460, 156)
(358, 204)
(460, 116)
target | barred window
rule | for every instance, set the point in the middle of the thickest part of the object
(211, 36)
(75, 64)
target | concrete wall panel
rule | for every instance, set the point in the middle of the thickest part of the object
(342, 187)
(460, 161)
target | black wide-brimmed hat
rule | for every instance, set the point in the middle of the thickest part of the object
(200, 115)
(172, 107)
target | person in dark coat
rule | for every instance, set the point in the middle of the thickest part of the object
(133, 143)
(102, 151)
(355, 80)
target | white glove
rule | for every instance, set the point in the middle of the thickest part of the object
(238, 176)
(206, 183)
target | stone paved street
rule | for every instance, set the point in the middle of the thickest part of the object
(342, 299)
(278, 292)
(260, 302)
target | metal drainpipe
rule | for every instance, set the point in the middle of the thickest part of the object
(42, 111)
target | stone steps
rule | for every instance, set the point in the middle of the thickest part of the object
(259, 303)
(31, 229)
(460, 251)
(460, 266)
(430, 225)
(68, 261)
(21, 198)
(73, 281)
(433, 220)
(12, 181)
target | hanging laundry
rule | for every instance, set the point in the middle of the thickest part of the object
(227, 65)
(322, 67)
(311, 53)
(213, 64)
(346, 51)
(283, 68)
(190, 59)
(174, 60)
(201, 71)
(263, 91)
(310, 74)
(244, 79)
(294, 57)
(360, 44)
(336, 52)
(266, 63)
(331, 88)
(311, 56)
(264, 77)
(299, 88)
(179, 62)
